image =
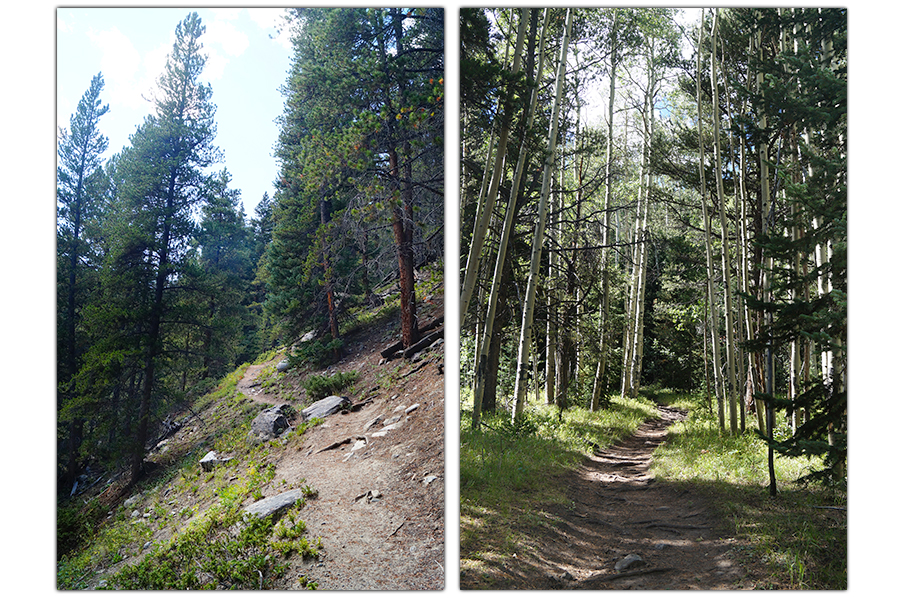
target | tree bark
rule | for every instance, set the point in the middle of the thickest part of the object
(537, 245)
(483, 221)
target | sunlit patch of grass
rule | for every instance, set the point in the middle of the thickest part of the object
(800, 536)
(510, 471)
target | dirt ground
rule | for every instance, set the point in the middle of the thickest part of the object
(380, 504)
(617, 509)
(379, 508)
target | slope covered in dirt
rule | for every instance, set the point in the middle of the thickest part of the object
(375, 472)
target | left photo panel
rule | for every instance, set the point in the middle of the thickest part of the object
(250, 299)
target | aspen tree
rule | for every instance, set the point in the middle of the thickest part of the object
(726, 256)
(483, 220)
(713, 308)
(537, 244)
(603, 323)
(481, 360)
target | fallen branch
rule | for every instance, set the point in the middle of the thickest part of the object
(416, 368)
(397, 529)
(423, 343)
(392, 350)
(335, 445)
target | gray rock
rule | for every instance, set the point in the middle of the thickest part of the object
(268, 424)
(211, 460)
(275, 505)
(632, 561)
(372, 422)
(131, 501)
(325, 407)
(412, 408)
(391, 421)
(283, 366)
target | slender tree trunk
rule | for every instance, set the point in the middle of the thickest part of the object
(726, 255)
(483, 220)
(603, 328)
(713, 308)
(537, 245)
(504, 238)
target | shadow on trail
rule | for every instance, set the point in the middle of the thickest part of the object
(617, 509)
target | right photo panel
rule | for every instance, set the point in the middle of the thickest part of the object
(653, 298)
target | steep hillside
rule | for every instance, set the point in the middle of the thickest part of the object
(372, 477)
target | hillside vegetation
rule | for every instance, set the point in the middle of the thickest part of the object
(183, 527)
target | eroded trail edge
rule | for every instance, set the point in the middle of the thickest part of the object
(622, 529)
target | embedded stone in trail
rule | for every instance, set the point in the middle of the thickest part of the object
(325, 407)
(274, 505)
(632, 561)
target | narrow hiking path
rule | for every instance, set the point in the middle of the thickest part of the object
(379, 508)
(617, 509)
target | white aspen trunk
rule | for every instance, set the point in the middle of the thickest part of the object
(600, 373)
(710, 291)
(483, 220)
(552, 317)
(482, 358)
(726, 255)
(549, 161)
(633, 355)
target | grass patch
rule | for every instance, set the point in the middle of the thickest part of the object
(509, 472)
(798, 536)
(198, 511)
(320, 386)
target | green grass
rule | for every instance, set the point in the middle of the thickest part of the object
(207, 547)
(510, 472)
(798, 536)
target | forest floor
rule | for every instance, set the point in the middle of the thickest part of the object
(615, 508)
(377, 517)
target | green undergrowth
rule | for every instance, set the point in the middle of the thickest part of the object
(799, 536)
(510, 471)
(222, 549)
(187, 531)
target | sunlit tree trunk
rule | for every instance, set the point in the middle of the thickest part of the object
(483, 220)
(549, 161)
(726, 255)
(481, 360)
(713, 308)
(603, 328)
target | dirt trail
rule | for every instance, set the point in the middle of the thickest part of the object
(617, 509)
(377, 512)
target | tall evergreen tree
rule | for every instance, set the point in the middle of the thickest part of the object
(79, 183)
(361, 130)
(159, 185)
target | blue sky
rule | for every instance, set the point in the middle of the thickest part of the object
(246, 65)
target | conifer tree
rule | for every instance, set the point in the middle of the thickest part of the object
(80, 181)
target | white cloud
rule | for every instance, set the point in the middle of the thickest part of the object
(272, 19)
(120, 63)
(224, 34)
(62, 26)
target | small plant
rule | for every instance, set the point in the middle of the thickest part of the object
(320, 386)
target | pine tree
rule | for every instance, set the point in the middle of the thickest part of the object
(158, 184)
(80, 181)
